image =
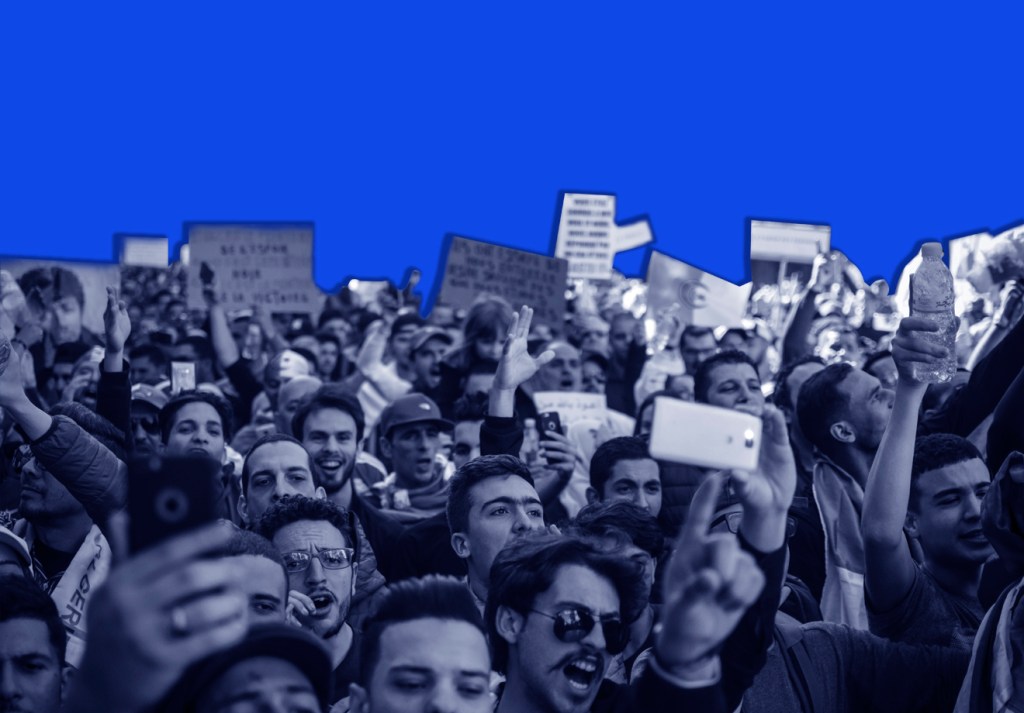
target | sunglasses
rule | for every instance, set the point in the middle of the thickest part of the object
(337, 558)
(575, 624)
(732, 520)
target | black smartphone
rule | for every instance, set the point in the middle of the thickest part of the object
(206, 273)
(549, 422)
(168, 496)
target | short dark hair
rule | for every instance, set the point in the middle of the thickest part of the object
(821, 403)
(70, 352)
(470, 407)
(781, 397)
(735, 330)
(327, 315)
(296, 508)
(935, 451)
(528, 566)
(622, 519)
(431, 597)
(649, 401)
(204, 350)
(702, 379)
(95, 425)
(148, 351)
(21, 598)
(246, 542)
(614, 451)
(473, 472)
(262, 441)
(694, 332)
(221, 405)
(329, 396)
(324, 337)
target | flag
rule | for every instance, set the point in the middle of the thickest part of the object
(696, 297)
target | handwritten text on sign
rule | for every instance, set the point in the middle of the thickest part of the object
(266, 265)
(474, 267)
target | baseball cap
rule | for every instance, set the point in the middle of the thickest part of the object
(424, 334)
(276, 641)
(412, 408)
(149, 395)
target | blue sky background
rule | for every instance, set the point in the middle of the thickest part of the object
(389, 125)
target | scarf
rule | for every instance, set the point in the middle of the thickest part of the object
(87, 571)
(840, 500)
(409, 505)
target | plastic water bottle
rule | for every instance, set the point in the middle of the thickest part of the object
(932, 297)
(531, 442)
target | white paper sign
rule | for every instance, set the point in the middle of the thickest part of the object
(585, 234)
(632, 235)
(792, 242)
(571, 406)
(144, 252)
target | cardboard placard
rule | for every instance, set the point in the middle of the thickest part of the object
(792, 242)
(144, 252)
(693, 296)
(589, 238)
(266, 264)
(473, 267)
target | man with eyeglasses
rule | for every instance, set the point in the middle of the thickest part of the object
(317, 541)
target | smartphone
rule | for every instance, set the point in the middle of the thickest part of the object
(183, 376)
(705, 436)
(168, 496)
(206, 274)
(549, 422)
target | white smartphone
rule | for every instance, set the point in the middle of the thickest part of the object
(183, 376)
(705, 436)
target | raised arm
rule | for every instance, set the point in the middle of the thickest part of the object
(516, 366)
(114, 395)
(889, 566)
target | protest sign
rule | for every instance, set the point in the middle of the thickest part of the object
(692, 296)
(144, 251)
(785, 251)
(589, 238)
(571, 406)
(473, 267)
(45, 282)
(265, 264)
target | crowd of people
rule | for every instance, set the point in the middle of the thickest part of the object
(390, 530)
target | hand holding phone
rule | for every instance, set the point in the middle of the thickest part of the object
(705, 436)
(183, 376)
(168, 496)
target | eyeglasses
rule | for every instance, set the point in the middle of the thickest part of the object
(338, 558)
(732, 520)
(575, 624)
(150, 424)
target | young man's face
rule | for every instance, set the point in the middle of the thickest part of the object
(636, 481)
(60, 376)
(31, 675)
(276, 469)
(695, 349)
(196, 430)
(500, 509)
(560, 676)
(736, 387)
(563, 372)
(413, 453)
(44, 499)
(266, 585)
(260, 683)
(143, 371)
(401, 344)
(327, 357)
(145, 427)
(465, 442)
(329, 436)
(67, 320)
(592, 378)
(945, 514)
(426, 666)
(426, 361)
(620, 336)
(330, 589)
(870, 405)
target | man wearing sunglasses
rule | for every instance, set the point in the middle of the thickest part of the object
(317, 542)
(145, 418)
(558, 609)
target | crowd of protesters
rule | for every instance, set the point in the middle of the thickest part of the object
(391, 533)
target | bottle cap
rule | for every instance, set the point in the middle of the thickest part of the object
(931, 250)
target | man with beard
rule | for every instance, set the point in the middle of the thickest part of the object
(32, 644)
(330, 427)
(428, 347)
(491, 501)
(146, 403)
(317, 541)
(277, 466)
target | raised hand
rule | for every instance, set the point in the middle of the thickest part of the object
(707, 586)
(909, 347)
(117, 326)
(371, 354)
(155, 615)
(12, 383)
(516, 365)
